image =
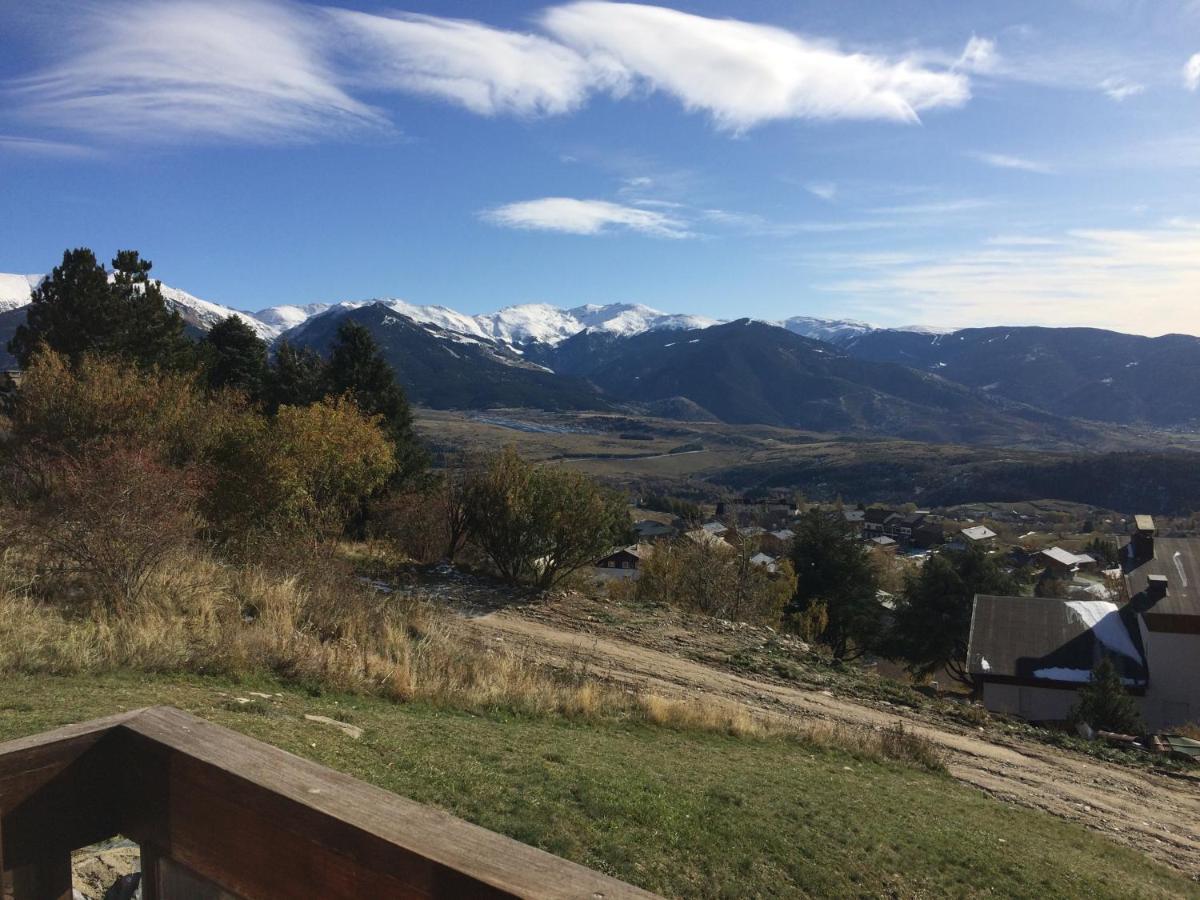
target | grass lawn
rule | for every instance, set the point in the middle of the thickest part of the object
(682, 813)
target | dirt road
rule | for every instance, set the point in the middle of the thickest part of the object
(1155, 813)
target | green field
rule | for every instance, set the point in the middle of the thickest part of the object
(682, 813)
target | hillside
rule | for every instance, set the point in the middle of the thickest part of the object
(688, 812)
(1086, 372)
(445, 369)
(751, 372)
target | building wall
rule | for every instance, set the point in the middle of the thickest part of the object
(1173, 695)
(1035, 704)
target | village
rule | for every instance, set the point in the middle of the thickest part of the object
(1099, 586)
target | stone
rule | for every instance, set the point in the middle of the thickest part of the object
(345, 727)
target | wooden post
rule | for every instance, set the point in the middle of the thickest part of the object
(48, 878)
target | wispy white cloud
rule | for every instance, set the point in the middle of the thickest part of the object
(744, 74)
(979, 55)
(278, 69)
(1006, 161)
(30, 146)
(1142, 280)
(826, 190)
(254, 70)
(487, 70)
(1121, 88)
(569, 215)
(1191, 72)
(936, 207)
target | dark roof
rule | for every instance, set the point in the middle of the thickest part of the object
(1176, 558)
(877, 515)
(1018, 637)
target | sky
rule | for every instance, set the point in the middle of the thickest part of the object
(939, 162)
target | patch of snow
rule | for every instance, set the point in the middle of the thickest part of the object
(1178, 557)
(1130, 365)
(1058, 673)
(289, 316)
(16, 290)
(1106, 381)
(672, 344)
(984, 664)
(1104, 620)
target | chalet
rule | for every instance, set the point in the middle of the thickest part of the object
(978, 536)
(706, 538)
(927, 535)
(1030, 655)
(650, 530)
(625, 561)
(762, 559)
(877, 519)
(1064, 562)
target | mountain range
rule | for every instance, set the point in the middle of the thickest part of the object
(1006, 385)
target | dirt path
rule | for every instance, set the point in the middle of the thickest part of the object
(1157, 814)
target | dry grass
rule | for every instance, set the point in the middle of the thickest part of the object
(202, 616)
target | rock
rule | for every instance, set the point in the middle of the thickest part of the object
(345, 727)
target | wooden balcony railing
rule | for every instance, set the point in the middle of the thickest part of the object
(219, 815)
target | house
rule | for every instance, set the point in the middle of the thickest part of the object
(854, 516)
(624, 562)
(706, 538)
(978, 536)
(883, 542)
(762, 559)
(649, 530)
(1064, 562)
(1030, 655)
(875, 520)
(1162, 582)
(927, 535)
(714, 527)
(751, 531)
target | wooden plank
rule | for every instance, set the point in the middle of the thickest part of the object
(239, 807)
(48, 878)
(59, 790)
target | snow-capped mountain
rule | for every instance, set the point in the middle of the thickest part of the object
(15, 290)
(526, 323)
(205, 314)
(835, 331)
(285, 317)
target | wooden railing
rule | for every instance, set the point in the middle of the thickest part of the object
(220, 815)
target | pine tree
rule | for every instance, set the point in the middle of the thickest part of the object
(356, 368)
(1104, 703)
(148, 332)
(833, 570)
(933, 615)
(71, 312)
(236, 358)
(78, 310)
(297, 377)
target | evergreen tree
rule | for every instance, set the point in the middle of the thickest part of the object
(833, 571)
(71, 312)
(297, 377)
(237, 358)
(356, 368)
(149, 333)
(933, 615)
(78, 310)
(1105, 705)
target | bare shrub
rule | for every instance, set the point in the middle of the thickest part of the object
(110, 519)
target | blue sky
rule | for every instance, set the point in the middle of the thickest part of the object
(948, 163)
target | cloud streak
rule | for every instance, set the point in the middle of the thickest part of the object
(269, 70)
(1005, 161)
(744, 74)
(1143, 281)
(142, 71)
(568, 215)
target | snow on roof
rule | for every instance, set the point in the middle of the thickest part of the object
(978, 533)
(714, 527)
(1067, 558)
(1104, 620)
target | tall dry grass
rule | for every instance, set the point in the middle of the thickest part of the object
(202, 616)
